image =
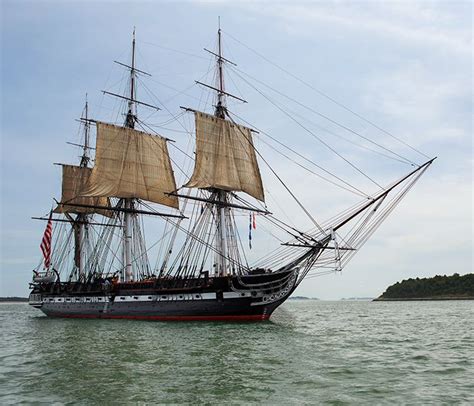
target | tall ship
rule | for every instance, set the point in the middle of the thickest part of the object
(95, 256)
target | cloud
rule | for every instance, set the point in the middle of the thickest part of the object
(404, 65)
(417, 23)
(412, 95)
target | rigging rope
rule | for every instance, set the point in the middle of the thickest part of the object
(401, 158)
(313, 134)
(326, 96)
(355, 191)
(280, 180)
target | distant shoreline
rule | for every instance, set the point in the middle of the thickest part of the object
(357, 299)
(439, 287)
(302, 298)
(13, 299)
(410, 299)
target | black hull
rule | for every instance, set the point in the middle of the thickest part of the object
(230, 298)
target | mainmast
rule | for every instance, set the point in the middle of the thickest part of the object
(130, 123)
(220, 112)
(82, 218)
(131, 114)
(85, 152)
(130, 165)
(220, 107)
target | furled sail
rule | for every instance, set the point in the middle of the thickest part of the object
(74, 180)
(225, 157)
(131, 164)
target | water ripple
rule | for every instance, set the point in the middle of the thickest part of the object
(335, 353)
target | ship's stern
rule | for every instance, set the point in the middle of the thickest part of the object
(35, 300)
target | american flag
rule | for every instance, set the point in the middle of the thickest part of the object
(46, 241)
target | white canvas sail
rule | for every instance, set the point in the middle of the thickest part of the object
(74, 180)
(225, 157)
(131, 164)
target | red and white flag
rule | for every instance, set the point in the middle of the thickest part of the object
(46, 241)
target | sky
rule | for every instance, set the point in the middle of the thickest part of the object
(404, 65)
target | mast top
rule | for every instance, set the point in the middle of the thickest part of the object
(219, 88)
(85, 152)
(221, 108)
(131, 114)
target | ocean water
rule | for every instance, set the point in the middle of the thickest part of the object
(310, 352)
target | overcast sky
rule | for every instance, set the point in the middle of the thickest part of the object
(404, 65)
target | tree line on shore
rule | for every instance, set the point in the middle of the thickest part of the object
(437, 286)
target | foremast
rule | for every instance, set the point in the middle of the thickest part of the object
(225, 163)
(228, 138)
(128, 202)
(220, 112)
